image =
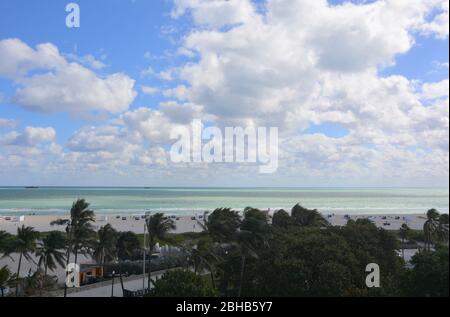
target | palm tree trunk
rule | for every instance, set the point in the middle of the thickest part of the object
(69, 249)
(403, 249)
(213, 282)
(18, 273)
(242, 276)
(102, 264)
(150, 262)
(121, 278)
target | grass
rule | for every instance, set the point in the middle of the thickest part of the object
(175, 239)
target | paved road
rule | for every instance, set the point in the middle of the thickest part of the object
(136, 283)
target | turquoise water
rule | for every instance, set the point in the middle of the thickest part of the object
(179, 201)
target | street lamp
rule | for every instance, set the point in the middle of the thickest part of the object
(112, 286)
(69, 247)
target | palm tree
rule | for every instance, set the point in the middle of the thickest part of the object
(79, 227)
(106, 245)
(127, 244)
(6, 243)
(245, 241)
(3, 237)
(404, 234)
(7, 279)
(50, 252)
(430, 226)
(250, 237)
(25, 244)
(282, 219)
(223, 224)
(308, 217)
(157, 226)
(442, 229)
(79, 230)
(204, 257)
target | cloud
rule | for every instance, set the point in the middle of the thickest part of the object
(7, 123)
(17, 58)
(97, 139)
(180, 92)
(48, 83)
(109, 146)
(149, 124)
(439, 25)
(215, 13)
(30, 137)
(88, 60)
(290, 64)
(435, 90)
(297, 63)
(148, 90)
(267, 68)
(181, 113)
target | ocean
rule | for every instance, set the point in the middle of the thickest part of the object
(188, 201)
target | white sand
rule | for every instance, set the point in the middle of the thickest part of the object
(186, 224)
(125, 223)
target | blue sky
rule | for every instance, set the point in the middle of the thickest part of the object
(108, 27)
(130, 37)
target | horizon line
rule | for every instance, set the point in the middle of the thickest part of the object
(221, 187)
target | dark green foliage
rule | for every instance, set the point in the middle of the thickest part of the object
(128, 246)
(281, 219)
(50, 251)
(429, 276)
(307, 217)
(181, 283)
(222, 224)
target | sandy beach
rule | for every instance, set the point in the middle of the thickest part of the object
(190, 224)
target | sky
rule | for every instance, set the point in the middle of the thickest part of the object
(358, 90)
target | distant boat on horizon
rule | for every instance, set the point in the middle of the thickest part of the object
(31, 187)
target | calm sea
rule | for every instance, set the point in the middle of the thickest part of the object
(188, 201)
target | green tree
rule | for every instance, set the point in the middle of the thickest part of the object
(79, 229)
(281, 219)
(223, 224)
(303, 261)
(181, 283)
(430, 226)
(3, 237)
(7, 244)
(404, 235)
(372, 245)
(106, 245)
(25, 246)
(255, 221)
(245, 243)
(430, 274)
(253, 235)
(307, 217)
(127, 245)
(204, 257)
(7, 279)
(50, 251)
(442, 229)
(157, 226)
